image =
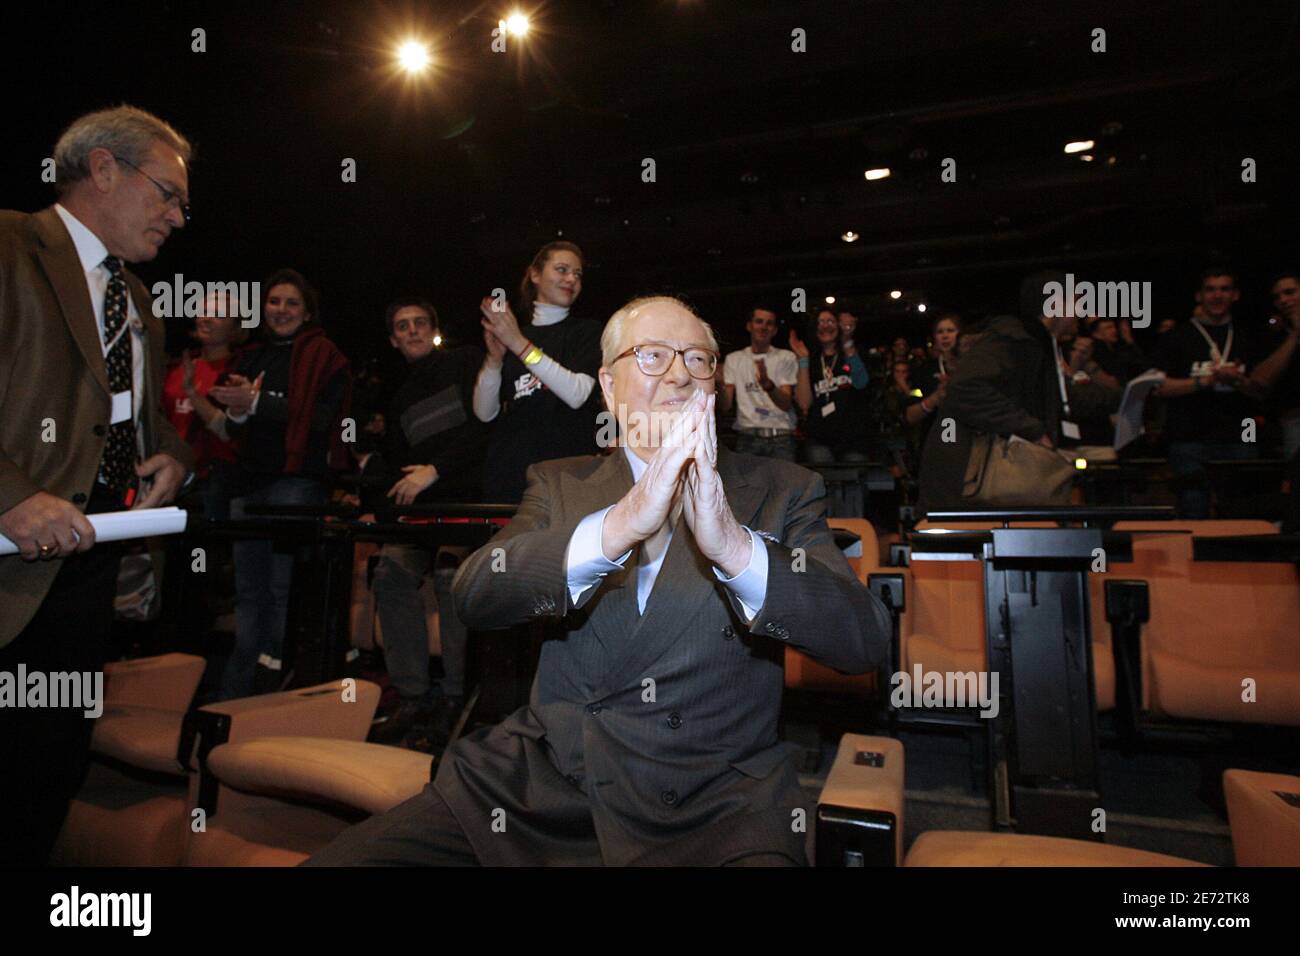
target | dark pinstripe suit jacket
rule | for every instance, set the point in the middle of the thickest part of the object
(658, 728)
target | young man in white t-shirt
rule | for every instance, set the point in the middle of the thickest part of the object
(760, 379)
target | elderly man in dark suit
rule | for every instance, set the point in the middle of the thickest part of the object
(81, 427)
(677, 573)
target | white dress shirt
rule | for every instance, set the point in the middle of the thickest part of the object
(92, 252)
(586, 565)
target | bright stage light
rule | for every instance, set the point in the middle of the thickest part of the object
(1079, 146)
(830, 300)
(895, 294)
(921, 307)
(874, 174)
(413, 56)
(850, 236)
(437, 340)
(517, 24)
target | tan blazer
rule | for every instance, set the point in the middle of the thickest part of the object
(54, 385)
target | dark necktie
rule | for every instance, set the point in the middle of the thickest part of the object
(117, 467)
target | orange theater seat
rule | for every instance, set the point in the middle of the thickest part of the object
(1264, 813)
(943, 629)
(280, 799)
(963, 848)
(1218, 631)
(131, 807)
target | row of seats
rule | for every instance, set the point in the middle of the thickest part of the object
(863, 797)
(155, 792)
(268, 797)
(1212, 624)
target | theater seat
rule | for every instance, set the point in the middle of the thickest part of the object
(280, 799)
(130, 809)
(944, 631)
(1212, 625)
(963, 848)
(133, 809)
(1264, 813)
(804, 673)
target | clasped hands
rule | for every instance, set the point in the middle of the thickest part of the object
(683, 469)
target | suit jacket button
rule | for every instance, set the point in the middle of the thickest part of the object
(594, 709)
(669, 797)
(78, 499)
(728, 633)
(99, 430)
(674, 721)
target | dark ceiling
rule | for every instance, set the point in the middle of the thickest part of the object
(759, 151)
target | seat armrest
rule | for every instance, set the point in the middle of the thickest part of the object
(368, 777)
(165, 682)
(860, 810)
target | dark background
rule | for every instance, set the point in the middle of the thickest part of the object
(760, 151)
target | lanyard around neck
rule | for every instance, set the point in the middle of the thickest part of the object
(1060, 377)
(1218, 358)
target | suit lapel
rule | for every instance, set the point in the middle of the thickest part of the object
(58, 257)
(612, 610)
(685, 581)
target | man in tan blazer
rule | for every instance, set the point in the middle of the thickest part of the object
(81, 431)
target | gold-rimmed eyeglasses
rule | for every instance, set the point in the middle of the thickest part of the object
(655, 359)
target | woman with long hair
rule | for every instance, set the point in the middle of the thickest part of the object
(283, 409)
(538, 382)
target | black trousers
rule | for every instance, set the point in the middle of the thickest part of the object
(424, 832)
(44, 750)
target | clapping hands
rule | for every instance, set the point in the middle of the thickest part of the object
(684, 469)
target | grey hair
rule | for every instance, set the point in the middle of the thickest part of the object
(125, 131)
(611, 340)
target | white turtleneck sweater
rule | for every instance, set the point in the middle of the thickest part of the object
(572, 388)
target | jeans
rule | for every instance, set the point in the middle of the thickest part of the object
(778, 446)
(262, 577)
(1187, 461)
(397, 583)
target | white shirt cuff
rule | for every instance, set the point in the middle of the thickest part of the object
(750, 585)
(252, 410)
(585, 564)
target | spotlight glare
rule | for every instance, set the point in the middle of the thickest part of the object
(1079, 146)
(437, 340)
(1086, 157)
(850, 236)
(920, 307)
(413, 56)
(874, 174)
(830, 300)
(896, 294)
(516, 24)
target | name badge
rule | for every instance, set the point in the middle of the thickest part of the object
(828, 409)
(121, 407)
(1070, 430)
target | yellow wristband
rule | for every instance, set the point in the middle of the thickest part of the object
(533, 356)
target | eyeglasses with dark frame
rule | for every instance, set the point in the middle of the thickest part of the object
(655, 359)
(169, 196)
